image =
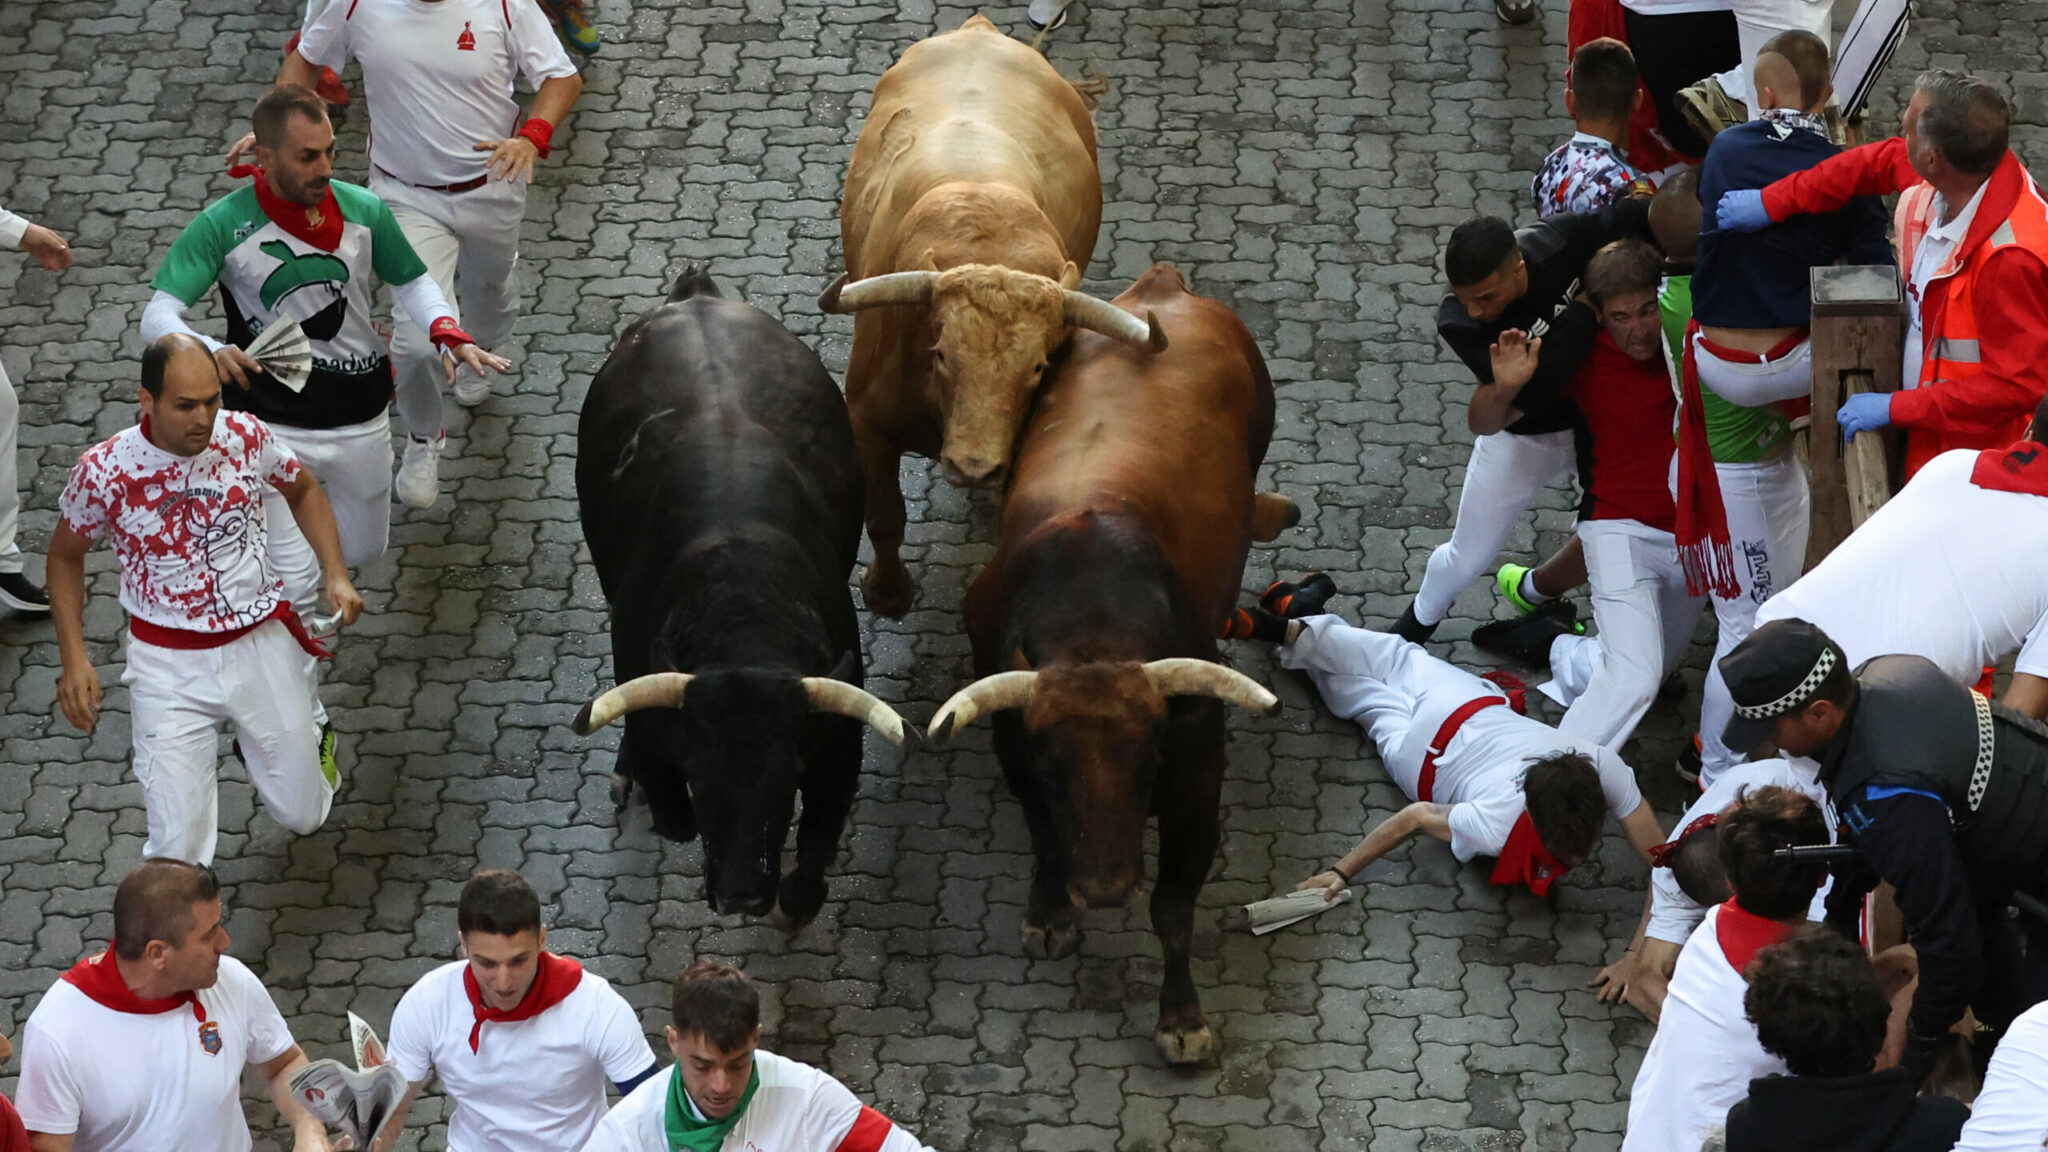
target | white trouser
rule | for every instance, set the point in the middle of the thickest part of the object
(178, 698)
(470, 244)
(1505, 473)
(353, 465)
(1756, 21)
(1396, 691)
(1645, 618)
(1769, 511)
(10, 474)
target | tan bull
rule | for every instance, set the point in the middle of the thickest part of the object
(971, 209)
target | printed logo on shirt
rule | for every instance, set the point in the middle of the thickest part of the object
(467, 41)
(297, 270)
(209, 1037)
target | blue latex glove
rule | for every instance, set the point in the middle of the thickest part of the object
(1863, 412)
(1742, 211)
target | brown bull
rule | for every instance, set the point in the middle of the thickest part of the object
(1123, 545)
(971, 209)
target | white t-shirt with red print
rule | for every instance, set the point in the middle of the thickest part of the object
(188, 530)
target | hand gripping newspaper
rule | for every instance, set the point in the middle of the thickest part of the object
(354, 1102)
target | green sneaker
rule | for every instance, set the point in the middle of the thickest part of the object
(1508, 581)
(577, 30)
(329, 771)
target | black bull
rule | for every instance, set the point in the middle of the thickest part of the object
(721, 494)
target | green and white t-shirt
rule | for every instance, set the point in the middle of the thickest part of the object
(1735, 435)
(267, 272)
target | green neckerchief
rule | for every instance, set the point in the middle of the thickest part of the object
(685, 1131)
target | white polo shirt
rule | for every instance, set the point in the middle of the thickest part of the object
(535, 1084)
(796, 1109)
(2011, 1112)
(1673, 914)
(1945, 570)
(1479, 777)
(121, 1082)
(437, 76)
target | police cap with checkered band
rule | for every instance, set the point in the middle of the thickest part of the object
(1777, 669)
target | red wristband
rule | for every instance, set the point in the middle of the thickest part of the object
(540, 132)
(446, 334)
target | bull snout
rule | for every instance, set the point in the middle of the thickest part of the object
(972, 471)
(1111, 891)
(751, 901)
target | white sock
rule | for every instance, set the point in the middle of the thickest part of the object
(1527, 588)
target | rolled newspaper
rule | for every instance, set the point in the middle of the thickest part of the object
(1272, 915)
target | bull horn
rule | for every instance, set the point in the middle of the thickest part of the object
(988, 694)
(657, 690)
(1102, 316)
(1185, 676)
(843, 699)
(876, 291)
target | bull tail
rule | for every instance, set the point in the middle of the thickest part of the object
(1093, 88)
(694, 280)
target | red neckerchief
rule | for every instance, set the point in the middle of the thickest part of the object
(100, 980)
(556, 977)
(2020, 468)
(1742, 934)
(1524, 860)
(1660, 856)
(293, 217)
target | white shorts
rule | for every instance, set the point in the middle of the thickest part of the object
(1644, 616)
(178, 699)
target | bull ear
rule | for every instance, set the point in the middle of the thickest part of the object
(930, 261)
(1070, 276)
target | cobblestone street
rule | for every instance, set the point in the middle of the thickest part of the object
(1300, 159)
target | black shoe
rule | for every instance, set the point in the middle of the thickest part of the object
(1300, 598)
(1412, 630)
(1255, 624)
(1527, 640)
(21, 594)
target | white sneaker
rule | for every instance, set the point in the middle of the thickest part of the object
(471, 387)
(1047, 13)
(419, 475)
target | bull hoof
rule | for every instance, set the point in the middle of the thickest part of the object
(797, 902)
(887, 589)
(622, 793)
(1055, 939)
(1186, 1045)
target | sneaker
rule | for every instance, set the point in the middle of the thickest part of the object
(1708, 108)
(574, 19)
(21, 594)
(1303, 597)
(1047, 15)
(1508, 582)
(1688, 765)
(1527, 640)
(419, 475)
(1255, 624)
(1412, 630)
(1515, 11)
(329, 770)
(471, 387)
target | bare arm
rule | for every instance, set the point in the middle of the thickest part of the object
(513, 157)
(395, 1127)
(78, 687)
(1421, 816)
(1640, 826)
(315, 517)
(296, 69)
(2027, 695)
(47, 1142)
(308, 1134)
(555, 96)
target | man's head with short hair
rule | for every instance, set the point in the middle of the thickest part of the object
(1817, 1004)
(1695, 862)
(1621, 281)
(714, 1027)
(167, 919)
(1601, 87)
(294, 144)
(1675, 216)
(1566, 806)
(180, 393)
(1957, 128)
(1485, 267)
(1762, 822)
(1793, 71)
(498, 917)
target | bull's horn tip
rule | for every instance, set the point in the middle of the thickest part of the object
(1158, 340)
(1272, 709)
(581, 724)
(942, 729)
(829, 302)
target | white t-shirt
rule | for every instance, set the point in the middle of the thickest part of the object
(1945, 570)
(1929, 256)
(121, 1081)
(437, 76)
(796, 1109)
(531, 1084)
(1479, 777)
(2011, 1112)
(1704, 1055)
(1673, 914)
(1675, 8)
(188, 530)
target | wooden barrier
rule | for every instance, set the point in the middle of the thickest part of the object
(1858, 336)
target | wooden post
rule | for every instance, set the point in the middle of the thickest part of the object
(1858, 338)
